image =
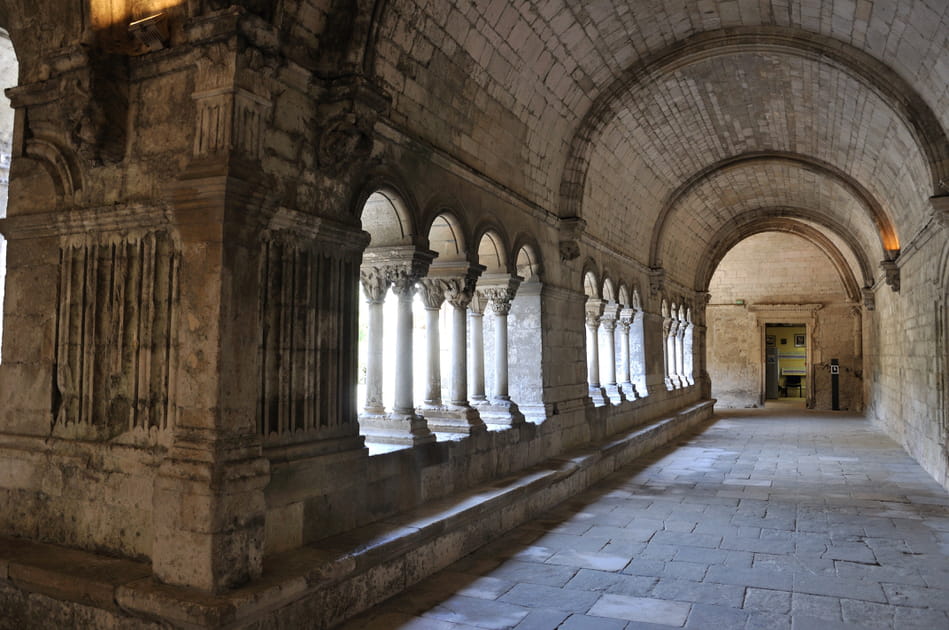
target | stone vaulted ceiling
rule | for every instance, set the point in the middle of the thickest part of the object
(669, 125)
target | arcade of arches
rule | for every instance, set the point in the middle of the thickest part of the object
(306, 299)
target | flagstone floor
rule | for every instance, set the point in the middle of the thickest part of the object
(777, 518)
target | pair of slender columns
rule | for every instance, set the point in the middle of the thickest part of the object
(400, 271)
(624, 324)
(674, 331)
(594, 315)
(458, 415)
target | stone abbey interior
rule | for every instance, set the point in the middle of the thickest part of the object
(305, 300)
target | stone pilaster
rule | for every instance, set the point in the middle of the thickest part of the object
(209, 507)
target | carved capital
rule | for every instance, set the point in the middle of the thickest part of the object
(500, 290)
(375, 283)
(459, 291)
(349, 109)
(593, 312)
(657, 280)
(500, 299)
(869, 299)
(458, 278)
(892, 271)
(432, 292)
(571, 229)
(403, 266)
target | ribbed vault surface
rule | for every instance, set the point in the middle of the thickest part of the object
(606, 109)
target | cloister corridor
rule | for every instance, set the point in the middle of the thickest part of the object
(768, 518)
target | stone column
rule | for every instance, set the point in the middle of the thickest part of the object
(433, 296)
(594, 311)
(375, 285)
(502, 307)
(502, 410)
(624, 323)
(608, 330)
(459, 349)
(476, 318)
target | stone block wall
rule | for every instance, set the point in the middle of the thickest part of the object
(908, 368)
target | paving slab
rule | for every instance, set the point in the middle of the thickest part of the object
(849, 532)
(646, 609)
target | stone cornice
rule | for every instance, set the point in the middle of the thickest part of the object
(340, 236)
(117, 218)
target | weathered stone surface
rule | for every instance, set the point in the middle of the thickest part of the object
(201, 193)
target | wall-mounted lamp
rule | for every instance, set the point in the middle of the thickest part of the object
(150, 32)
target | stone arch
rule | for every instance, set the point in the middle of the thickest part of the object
(590, 280)
(493, 250)
(622, 295)
(527, 260)
(899, 94)
(387, 212)
(730, 236)
(785, 214)
(608, 288)
(889, 240)
(446, 235)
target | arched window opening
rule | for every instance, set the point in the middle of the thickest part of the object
(391, 339)
(621, 344)
(497, 290)
(668, 345)
(678, 334)
(593, 312)
(637, 353)
(606, 338)
(688, 348)
(446, 294)
(9, 69)
(526, 353)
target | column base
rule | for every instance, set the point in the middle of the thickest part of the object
(629, 391)
(598, 395)
(615, 394)
(501, 413)
(462, 419)
(408, 429)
